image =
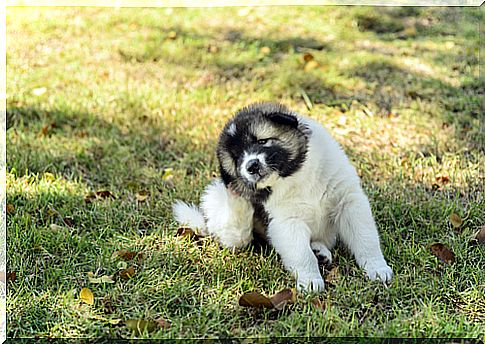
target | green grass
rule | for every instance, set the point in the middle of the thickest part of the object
(123, 102)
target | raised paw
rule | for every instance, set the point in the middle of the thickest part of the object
(321, 250)
(310, 284)
(378, 270)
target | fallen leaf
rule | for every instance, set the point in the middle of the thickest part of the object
(255, 299)
(127, 255)
(142, 196)
(282, 298)
(307, 57)
(109, 321)
(127, 273)
(443, 253)
(479, 237)
(265, 50)
(68, 221)
(11, 276)
(99, 280)
(456, 220)
(188, 232)
(86, 295)
(141, 325)
(311, 65)
(319, 304)
(442, 178)
(332, 276)
(104, 194)
(89, 197)
(10, 209)
(172, 35)
(167, 174)
(45, 130)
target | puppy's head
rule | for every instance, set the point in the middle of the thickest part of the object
(261, 144)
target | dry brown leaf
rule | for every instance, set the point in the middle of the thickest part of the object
(456, 220)
(89, 197)
(188, 232)
(319, 304)
(11, 276)
(127, 255)
(255, 299)
(307, 57)
(86, 295)
(442, 178)
(127, 273)
(443, 253)
(45, 130)
(10, 209)
(68, 221)
(332, 276)
(104, 194)
(282, 298)
(141, 325)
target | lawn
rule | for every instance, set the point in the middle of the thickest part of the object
(131, 101)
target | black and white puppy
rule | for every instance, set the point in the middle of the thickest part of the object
(284, 174)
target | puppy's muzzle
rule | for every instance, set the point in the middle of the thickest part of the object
(253, 167)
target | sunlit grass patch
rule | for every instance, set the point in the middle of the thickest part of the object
(131, 101)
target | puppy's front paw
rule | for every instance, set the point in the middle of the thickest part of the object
(310, 283)
(378, 270)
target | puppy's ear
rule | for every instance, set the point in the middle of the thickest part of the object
(284, 119)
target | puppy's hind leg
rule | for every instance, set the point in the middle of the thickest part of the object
(357, 229)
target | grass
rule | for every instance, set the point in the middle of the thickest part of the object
(131, 100)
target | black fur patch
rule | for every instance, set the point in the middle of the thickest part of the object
(284, 119)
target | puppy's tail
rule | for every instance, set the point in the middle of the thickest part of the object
(189, 215)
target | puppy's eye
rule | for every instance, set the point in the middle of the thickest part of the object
(264, 141)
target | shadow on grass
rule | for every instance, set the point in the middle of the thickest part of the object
(83, 145)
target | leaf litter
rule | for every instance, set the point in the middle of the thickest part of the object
(443, 253)
(86, 296)
(139, 326)
(278, 301)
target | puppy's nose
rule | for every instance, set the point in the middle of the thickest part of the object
(253, 166)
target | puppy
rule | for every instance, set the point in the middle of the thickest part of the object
(285, 177)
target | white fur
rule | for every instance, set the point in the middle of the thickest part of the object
(229, 217)
(223, 215)
(323, 200)
(189, 215)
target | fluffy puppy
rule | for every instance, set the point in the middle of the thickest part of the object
(284, 176)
